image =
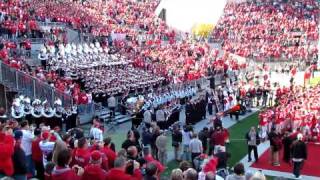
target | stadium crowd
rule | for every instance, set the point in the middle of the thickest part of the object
(139, 51)
(270, 29)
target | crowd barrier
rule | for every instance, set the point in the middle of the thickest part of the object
(32, 87)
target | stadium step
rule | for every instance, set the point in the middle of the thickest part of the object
(119, 118)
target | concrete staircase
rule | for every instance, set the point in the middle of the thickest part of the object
(104, 114)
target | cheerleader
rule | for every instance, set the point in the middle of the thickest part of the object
(36, 112)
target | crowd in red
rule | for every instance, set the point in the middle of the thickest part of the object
(273, 29)
(298, 111)
(176, 60)
(52, 153)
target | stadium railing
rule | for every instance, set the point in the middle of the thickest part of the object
(32, 87)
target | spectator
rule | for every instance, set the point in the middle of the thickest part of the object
(299, 155)
(212, 176)
(218, 139)
(184, 165)
(238, 173)
(275, 146)
(176, 142)
(203, 136)
(223, 157)
(95, 132)
(108, 152)
(253, 141)
(37, 154)
(195, 147)
(118, 172)
(131, 141)
(62, 171)
(94, 170)
(161, 143)
(112, 105)
(46, 147)
(19, 158)
(146, 137)
(58, 146)
(147, 117)
(186, 138)
(258, 176)
(190, 174)
(26, 144)
(151, 172)
(6, 151)
(149, 159)
(176, 174)
(82, 153)
(287, 142)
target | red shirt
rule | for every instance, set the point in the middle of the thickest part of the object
(64, 174)
(218, 138)
(160, 167)
(6, 152)
(81, 157)
(110, 154)
(118, 174)
(94, 172)
(36, 151)
(33, 25)
(83, 99)
(4, 54)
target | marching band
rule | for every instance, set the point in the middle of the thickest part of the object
(38, 112)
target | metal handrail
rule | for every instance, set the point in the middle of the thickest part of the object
(31, 86)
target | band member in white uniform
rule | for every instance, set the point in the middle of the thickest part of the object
(36, 112)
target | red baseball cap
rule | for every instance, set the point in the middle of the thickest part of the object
(95, 155)
(45, 134)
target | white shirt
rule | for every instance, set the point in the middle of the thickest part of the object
(160, 115)
(26, 141)
(89, 95)
(195, 146)
(147, 116)
(96, 133)
(111, 101)
(186, 138)
(46, 148)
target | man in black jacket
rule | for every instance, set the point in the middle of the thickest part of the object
(299, 154)
(176, 141)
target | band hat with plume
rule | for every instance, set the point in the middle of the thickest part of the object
(36, 102)
(58, 102)
(27, 100)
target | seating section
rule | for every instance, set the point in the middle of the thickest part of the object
(270, 29)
